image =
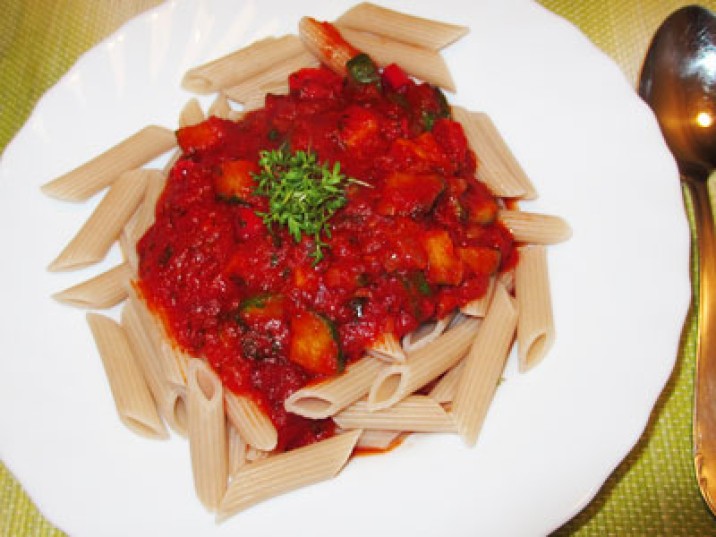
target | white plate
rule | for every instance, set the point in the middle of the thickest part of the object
(552, 436)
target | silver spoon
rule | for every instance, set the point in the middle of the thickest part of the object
(678, 81)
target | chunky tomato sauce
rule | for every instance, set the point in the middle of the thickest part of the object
(417, 237)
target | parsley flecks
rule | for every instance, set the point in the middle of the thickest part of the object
(303, 194)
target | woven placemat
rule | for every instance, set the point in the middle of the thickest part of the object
(652, 493)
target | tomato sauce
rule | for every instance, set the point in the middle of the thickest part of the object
(417, 237)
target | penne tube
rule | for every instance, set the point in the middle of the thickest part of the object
(94, 239)
(426, 333)
(330, 396)
(142, 219)
(100, 172)
(444, 389)
(254, 88)
(535, 329)
(220, 107)
(191, 114)
(321, 41)
(102, 291)
(237, 449)
(535, 228)
(378, 440)
(266, 478)
(173, 362)
(169, 398)
(484, 365)
(387, 348)
(497, 166)
(425, 64)
(207, 433)
(409, 29)
(252, 423)
(478, 307)
(396, 382)
(240, 65)
(415, 413)
(131, 395)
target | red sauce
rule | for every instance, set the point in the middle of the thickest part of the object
(419, 241)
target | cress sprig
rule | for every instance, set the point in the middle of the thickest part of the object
(303, 194)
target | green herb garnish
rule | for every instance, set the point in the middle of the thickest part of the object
(303, 194)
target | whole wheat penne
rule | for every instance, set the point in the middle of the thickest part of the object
(142, 218)
(191, 113)
(535, 329)
(263, 479)
(396, 382)
(102, 291)
(484, 365)
(387, 348)
(445, 388)
(497, 166)
(237, 449)
(425, 333)
(535, 228)
(377, 439)
(169, 398)
(418, 31)
(423, 63)
(220, 107)
(207, 433)
(131, 395)
(173, 362)
(94, 239)
(100, 172)
(240, 65)
(255, 87)
(254, 426)
(320, 40)
(478, 307)
(330, 396)
(415, 413)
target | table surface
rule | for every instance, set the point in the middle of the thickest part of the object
(653, 492)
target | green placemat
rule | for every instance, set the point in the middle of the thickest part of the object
(653, 492)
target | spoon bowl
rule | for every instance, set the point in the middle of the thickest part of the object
(678, 81)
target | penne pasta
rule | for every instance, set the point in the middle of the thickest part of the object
(220, 107)
(444, 389)
(143, 217)
(426, 333)
(207, 433)
(131, 395)
(100, 172)
(395, 382)
(497, 167)
(422, 63)
(169, 398)
(254, 426)
(326, 398)
(263, 479)
(415, 413)
(191, 114)
(378, 440)
(417, 31)
(320, 40)
(535, 329)
(237, 450)
(241, 65)
(387, 348)
(535, 228)
(478, 307)
(253, 89)
(102, 291)
(484, 365)
(94, 239)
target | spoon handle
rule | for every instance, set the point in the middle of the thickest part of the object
(704, 426)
